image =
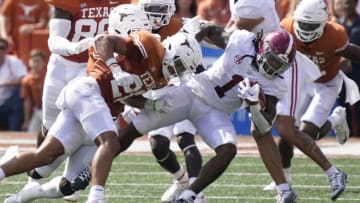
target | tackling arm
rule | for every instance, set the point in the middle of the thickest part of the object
(214, 33)
(351, 52)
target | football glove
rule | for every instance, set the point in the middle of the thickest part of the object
(80, 46)
(124, 78)
(248, 93)
(129, 113)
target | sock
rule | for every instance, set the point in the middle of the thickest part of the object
(334, 120)
(51, 189)
(287, 174)
(283, 187)
(97, 192)
(191, 180)
(40, 181)
(181, 175)
(332, 170)
(2, 174)
(188, 195)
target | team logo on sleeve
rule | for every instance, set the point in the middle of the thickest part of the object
(238, 59)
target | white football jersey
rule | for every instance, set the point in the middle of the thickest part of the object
(217, 86)
(256, 9)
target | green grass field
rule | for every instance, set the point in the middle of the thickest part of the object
(136, 179)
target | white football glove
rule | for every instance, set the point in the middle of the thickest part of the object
(162, 104)
(248, 93)
(129, 113)
(124, 78)
(80, 46)
(192, 25)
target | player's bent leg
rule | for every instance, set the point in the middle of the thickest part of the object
(46, 154)
(192, 154)
(77, 169)
(193, 160)
(164, 156)
(340, 125)
(108, 148)
(214, 167)
(210, 171)
(270, 157)
(55, 188)
(308, 146)
(167, 160)
(126, 136)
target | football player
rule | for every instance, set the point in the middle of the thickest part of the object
(260, 17)
(203, 100)
(312, 33)
(260, 20)
(78, 145)
(164, 23)
(70, 31)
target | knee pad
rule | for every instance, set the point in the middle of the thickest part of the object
(34, 174)
(185, 141)
(159, 146)
(65, 187)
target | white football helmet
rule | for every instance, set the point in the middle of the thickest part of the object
(127, 18)
(310, 18)
(182, 55)
(159, 12)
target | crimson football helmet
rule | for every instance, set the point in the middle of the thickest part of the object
(159, 12)
(127, 18)
(182, 55)
(276, 53)
(310, 18)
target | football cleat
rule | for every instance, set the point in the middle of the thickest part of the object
(338, 184)
(286, 196)
(28, 193)
(182, 201)
(82, 180)
(342, 131)
(73, 197)
(175, 189)
(200, 198)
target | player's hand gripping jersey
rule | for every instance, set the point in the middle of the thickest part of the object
(144, 55)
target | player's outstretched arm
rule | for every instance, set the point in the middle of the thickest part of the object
(351, 52)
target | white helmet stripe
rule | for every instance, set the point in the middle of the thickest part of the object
(289, 48)
(140, 45)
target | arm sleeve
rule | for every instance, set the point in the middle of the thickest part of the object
(59, 44)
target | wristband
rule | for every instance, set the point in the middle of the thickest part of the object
(110, 62)
(150, 105)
